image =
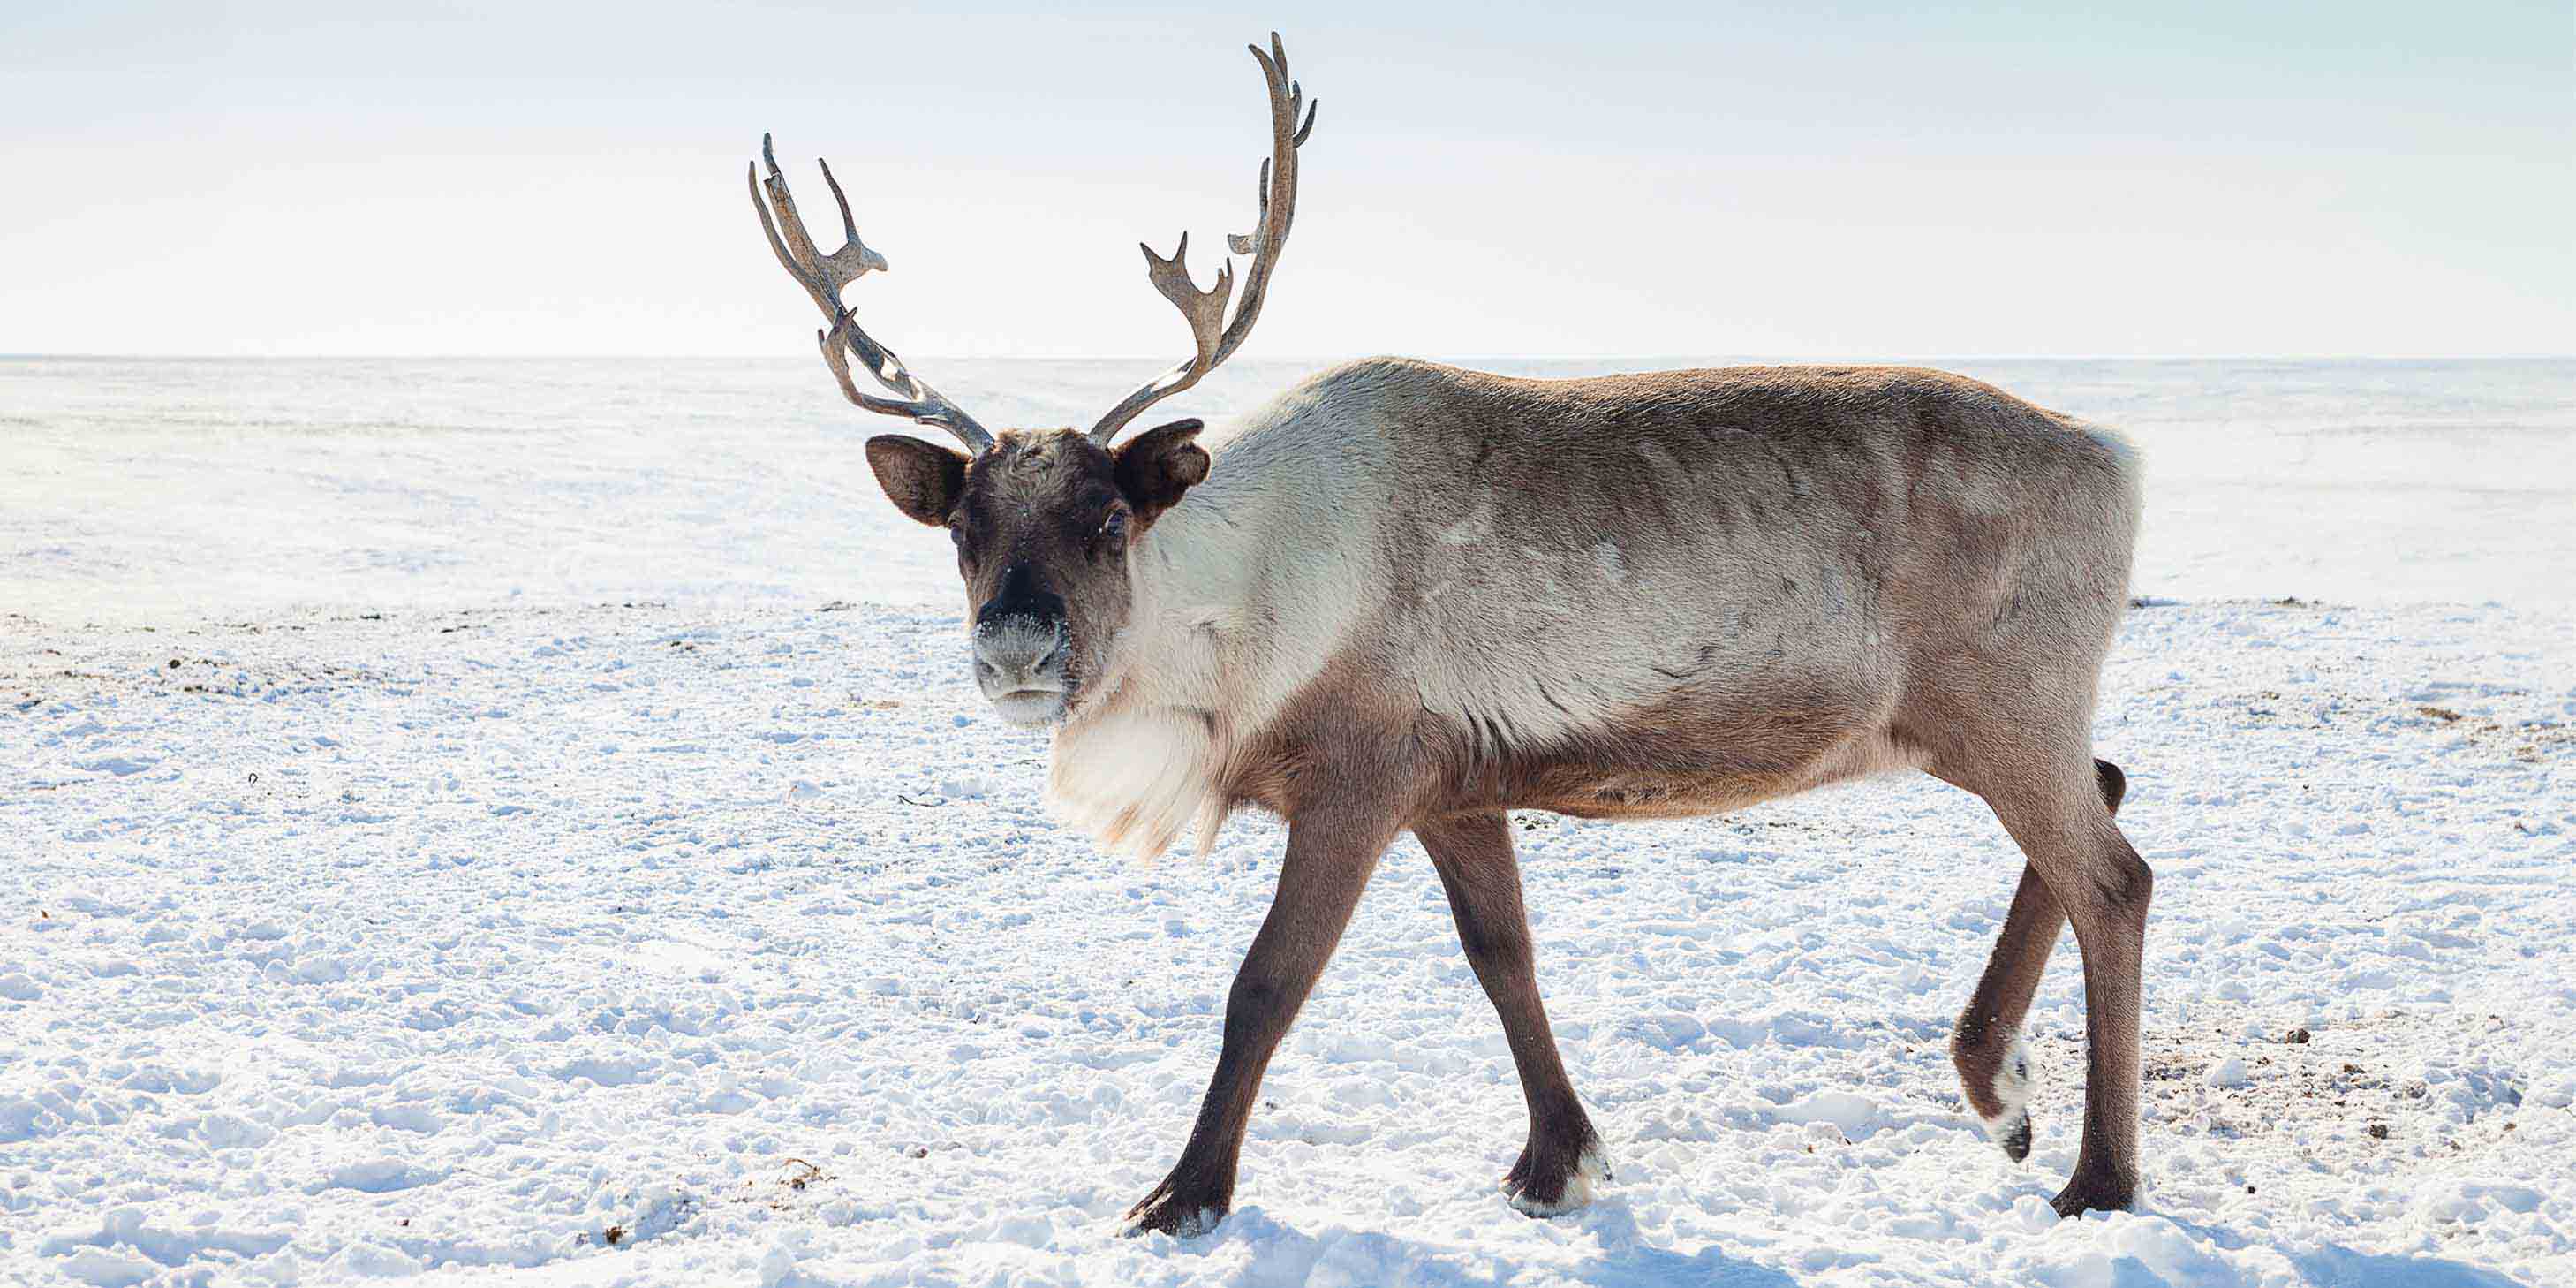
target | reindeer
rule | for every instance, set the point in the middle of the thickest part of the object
(1409, 597)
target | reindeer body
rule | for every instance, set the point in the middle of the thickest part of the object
(1406, 597)
(1624, 597)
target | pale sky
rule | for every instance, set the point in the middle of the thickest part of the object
(1851, 180)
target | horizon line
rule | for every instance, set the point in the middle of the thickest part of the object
(1820, 358)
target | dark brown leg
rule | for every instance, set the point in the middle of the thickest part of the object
(2090, 869)
(1563, 1159)
(1987, 1047)
(1330, 857)
(1987, 1050)
(1994, 1066)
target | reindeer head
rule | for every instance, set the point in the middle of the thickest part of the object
(1045, 521)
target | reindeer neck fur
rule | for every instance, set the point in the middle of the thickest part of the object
(1240, 594)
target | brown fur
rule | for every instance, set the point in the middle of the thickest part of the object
(1473, 854)
(1645, 596)
(1155, 468)
(1415, 597)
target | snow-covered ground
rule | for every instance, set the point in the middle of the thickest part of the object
(528, 823)
(636, 944)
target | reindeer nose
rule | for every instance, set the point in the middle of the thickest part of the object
(1019, 651)
(1020, 638)
(1020, 595)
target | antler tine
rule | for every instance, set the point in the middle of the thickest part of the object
(1204, 311)
(850, 227)
(823, 276)
(838, 269)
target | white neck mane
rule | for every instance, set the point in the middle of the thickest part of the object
(1137, 763)
(1240, 594)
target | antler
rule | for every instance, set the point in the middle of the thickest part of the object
(1205, 310)
(823, 276)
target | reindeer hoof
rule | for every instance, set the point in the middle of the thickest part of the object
(2100, 1192)
(1169, 1211)
(2015, 1137)
(1178, 1222)
(2009, 1126)
(1543, 1190)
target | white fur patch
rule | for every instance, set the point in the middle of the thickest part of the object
(1239, 598)
(1591, 1171)
(1476, 527)
(1135, 778)
(1613, 565)
(2012, 1087)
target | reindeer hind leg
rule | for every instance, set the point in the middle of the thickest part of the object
(1562, 1164)
(2074, 849)
(1987, 1049)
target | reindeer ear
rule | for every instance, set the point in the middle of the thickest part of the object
(1157, 466)
(923, 480)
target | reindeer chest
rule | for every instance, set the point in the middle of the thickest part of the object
(1137, 778)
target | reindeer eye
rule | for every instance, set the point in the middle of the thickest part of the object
(1114, 528)
(957, 533)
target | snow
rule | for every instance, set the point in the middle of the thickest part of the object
(446, 943)
(687, 918)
